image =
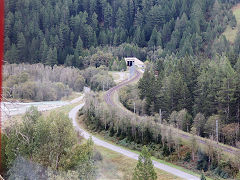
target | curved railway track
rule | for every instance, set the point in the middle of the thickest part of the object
(108, 96)
(109, 100)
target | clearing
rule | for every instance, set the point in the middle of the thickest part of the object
(232, 33)
(119, 76)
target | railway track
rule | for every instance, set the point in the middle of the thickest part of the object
(108, 96)
(109, 100)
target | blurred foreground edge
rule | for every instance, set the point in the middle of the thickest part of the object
(1, 64)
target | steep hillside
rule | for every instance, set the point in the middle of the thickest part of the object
(57, 32)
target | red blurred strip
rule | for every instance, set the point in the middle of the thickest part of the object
(1, 65)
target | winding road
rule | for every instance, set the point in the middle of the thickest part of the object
(73, 115)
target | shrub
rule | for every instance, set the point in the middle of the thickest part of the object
(79, 83)
(187, 158)
(97, 156)
(202, 163)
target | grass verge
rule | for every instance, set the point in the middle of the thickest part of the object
(111, 141)
(117, 166)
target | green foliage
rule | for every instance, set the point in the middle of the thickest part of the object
(37, 135)
(199, 122)
(128, 96)
(80, 159)
(135, 131)
(144, 169)
(4, 141)
(202, 163)
(187, 158)
(202, 177)
(101, 82)
(49, 32)
(189, 91)
(26, 82)
(51, 57)
(238, 176)
(155, 39)
(98, 78)
(79, 83)
(50, 141)
(118, 65)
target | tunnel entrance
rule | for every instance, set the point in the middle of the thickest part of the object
(130, 63)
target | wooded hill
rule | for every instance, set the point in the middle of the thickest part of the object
(57, 32)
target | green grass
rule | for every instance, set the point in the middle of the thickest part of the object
(82, 125)
(117, 166)
(232, 33)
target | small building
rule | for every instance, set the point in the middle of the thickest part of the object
(133, 60)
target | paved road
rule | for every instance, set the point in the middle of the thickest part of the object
(73, 114)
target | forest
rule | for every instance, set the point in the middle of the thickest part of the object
(37, 82)
(164, 141)
(207, 91)
(64, 32)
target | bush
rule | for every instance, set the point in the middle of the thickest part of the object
(187, 158)
(101, 82)
(79, 83)
(202, 163)
(39, 83)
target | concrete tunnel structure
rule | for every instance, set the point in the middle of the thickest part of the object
(133, 60)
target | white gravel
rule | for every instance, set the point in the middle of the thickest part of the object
(11, 109)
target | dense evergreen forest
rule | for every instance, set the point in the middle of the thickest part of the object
(203, 92)
(64, 32)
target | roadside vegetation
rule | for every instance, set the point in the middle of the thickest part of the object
(134, 132)
(107, 164)
(46, 147)
(116, 166)
(144, 168)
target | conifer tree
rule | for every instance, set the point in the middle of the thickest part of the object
(144, 169)
(94, 22)
(108, 16)
(52, 57)
(155, 39)
(79, 47)
(120, 20)
(21, 47)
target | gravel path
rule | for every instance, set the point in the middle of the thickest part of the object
(73, 114)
